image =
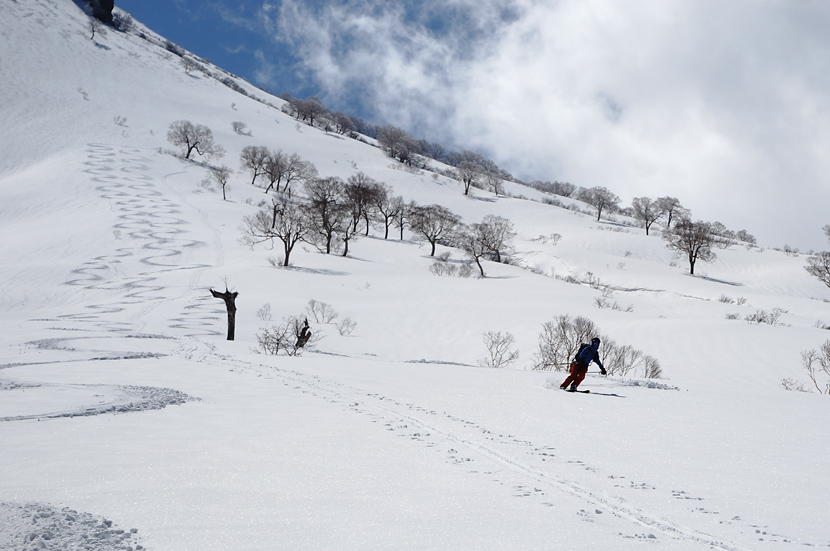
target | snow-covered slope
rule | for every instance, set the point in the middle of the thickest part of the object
(120, 398)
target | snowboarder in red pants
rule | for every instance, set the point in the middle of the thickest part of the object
(579, 367)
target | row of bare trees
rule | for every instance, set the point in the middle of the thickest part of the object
(335, 213)
(278, 168)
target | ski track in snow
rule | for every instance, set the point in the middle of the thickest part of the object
(111, 399)
(149, 218)
(471, 443)
(524, 468)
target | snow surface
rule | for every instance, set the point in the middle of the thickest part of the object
(121, 402)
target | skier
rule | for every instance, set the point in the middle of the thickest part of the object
(579, 367)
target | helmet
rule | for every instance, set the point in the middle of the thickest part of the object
(595, 340)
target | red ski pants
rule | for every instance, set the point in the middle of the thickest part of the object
(577, 375)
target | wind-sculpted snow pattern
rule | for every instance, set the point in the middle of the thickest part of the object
(44, 527)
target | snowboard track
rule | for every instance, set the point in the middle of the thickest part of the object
(398, 414)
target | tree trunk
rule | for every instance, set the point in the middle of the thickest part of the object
(230, 304)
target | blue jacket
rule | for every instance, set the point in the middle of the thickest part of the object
(589, 354)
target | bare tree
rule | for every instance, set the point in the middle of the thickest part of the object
(818, 265)
(469, 169)
(470, 241)
(397, 143)
(297, 170)
(286, 222)
(819, 374)
(646, 211)
(326, 213)
(194, 137)
(312, 108)
(307, 110)
(693, 239)
(283, 170)
(385, 207)
(672, 209)
(746, 237)
(434, 223)
(95, 26)
(342, 123)
(600, 198)
(221, 175)
(493, 181)
(404, 213)
(495, 233)
(274, 167)
(360, 191)
(254, 158)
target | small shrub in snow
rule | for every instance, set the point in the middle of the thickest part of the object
(264, 313)
(321, 312)
(466, 270)
(232, 84)
(190, 65)
(602, 303)
(726, 300)
(346, 326)
(241, 128)
(622, 360)
(173, 48)
(734, 316)
(560, 341)
(553, 238)
(290, 338)
(123, 21)
(443, 269)
(120, 121)
(498, 350)
(593, 281)
(791, 384)
(771, 318)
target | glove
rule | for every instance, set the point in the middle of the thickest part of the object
(602, 370)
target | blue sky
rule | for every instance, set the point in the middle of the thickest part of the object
(724, 105)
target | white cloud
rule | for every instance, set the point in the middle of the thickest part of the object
(723, 105)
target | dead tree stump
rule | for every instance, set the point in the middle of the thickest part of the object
(230, 304)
